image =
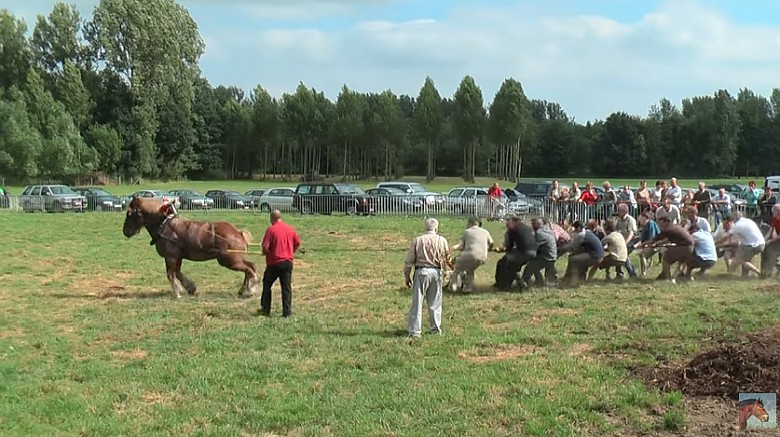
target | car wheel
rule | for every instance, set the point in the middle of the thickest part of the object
(306, 209)
(457, 209)
(98, 208)
(57, 207)
(352, 210)
(265, 207)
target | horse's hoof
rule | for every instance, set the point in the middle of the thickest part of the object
(192, 292)
(245, 295)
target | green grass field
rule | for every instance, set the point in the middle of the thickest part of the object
(440, 184)
(92, 343)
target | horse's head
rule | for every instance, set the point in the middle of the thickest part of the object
(759, 411)
(140, 212)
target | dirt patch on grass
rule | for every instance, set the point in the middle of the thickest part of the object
(704, 417)
(752, 364)
(131, 355)
(11, 333)
(497, 353)
(580, 350)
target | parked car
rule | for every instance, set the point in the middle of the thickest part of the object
(389, 199)
(255, 194)
(417, 191)
(165, 196)
(520, 204)
(52, 198)
(538, 189)
(734, 190)
(5, 198)
(280, 198)
(230, 199)
(327, 198)
(467, 200)
(99, 199)
(191, 199)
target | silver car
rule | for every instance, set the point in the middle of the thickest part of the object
(276, 198)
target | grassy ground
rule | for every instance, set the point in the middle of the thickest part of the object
(441, 184)
(92, 344)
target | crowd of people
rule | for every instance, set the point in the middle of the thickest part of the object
(570, 204)
(682, 242)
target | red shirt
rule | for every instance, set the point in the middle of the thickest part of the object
(494, 192)
(280, 243)
(589, 197)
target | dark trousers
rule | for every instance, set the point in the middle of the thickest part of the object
(282, 272)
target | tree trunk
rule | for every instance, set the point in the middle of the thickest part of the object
(344, 172)
(473, 161)
(429, 176)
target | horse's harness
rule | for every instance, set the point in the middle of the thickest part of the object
(159, 233)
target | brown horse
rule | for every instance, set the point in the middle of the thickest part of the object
(751, 407)
(177, 239)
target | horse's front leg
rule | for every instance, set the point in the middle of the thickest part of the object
(173, 267)
(188, 283)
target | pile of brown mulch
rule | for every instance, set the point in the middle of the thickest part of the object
(752, 365)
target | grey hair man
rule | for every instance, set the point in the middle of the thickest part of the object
(428, 254)
(475, 244)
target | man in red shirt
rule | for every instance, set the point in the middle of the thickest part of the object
(772, 248)
(279, 245)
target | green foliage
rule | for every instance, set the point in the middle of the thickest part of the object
(125, 82)
(20, 141)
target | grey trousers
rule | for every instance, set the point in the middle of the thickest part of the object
(427, 285)
(463, 276)
(769, 258)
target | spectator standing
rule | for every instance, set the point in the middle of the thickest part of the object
(588, 198)
(722, 205)
(574, 198)
(765, 204)
(554, 197)
(751, 196)
(702, 199)
(428, 254)
(675, 193)
(279, 246)
(644, 197)
(494, 199)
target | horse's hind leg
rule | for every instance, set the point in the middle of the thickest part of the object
(173, 267)
(239, 264)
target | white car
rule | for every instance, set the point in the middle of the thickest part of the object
(276, 198)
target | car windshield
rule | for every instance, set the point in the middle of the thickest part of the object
(232, 193)
(191, 193)
(61, 190)
(417, 188)
(350, 189)
(100, 192)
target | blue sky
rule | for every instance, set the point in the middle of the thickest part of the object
(592, 57)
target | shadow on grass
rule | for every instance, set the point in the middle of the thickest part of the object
(386, 333)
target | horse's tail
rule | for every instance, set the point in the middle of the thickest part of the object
(247, 239)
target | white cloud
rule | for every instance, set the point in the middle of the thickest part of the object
(592, 65)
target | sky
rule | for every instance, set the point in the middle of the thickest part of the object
(592, 57)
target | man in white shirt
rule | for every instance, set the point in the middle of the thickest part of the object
(722, 204)
(675, 193)
(692, 218)
(750, 239)
(725, 245)
(668, 210)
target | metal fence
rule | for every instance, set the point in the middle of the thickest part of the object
(361, 205)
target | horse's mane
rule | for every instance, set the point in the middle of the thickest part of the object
(147, 205)
(751, 401)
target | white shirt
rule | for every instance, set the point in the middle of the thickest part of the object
(673, 214)
(746, 231)
(703, 224)
(675, 193)
(720, 232)
(721, 207)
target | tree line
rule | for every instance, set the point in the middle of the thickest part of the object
(122, 94)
